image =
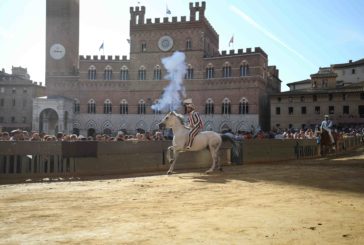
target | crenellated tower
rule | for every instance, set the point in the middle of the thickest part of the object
(137, 15)
(197, 9)
(151, 40)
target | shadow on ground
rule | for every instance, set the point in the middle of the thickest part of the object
(343, 172)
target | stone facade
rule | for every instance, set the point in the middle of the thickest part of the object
(230, 88)
(17, 92)
(349, 73)
(337, 90)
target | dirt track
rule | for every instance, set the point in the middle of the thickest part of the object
(309, 202)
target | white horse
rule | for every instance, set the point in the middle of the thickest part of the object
(206, 139)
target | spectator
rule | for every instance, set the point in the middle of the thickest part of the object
(158, 136)
(148, 136)
(59, 136)
(120, 136)
(35, 137)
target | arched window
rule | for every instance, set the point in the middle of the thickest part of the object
(314, 84)
(226, 106)
(108, 73)
(65, 120)
(76, 106)
(189, 73)
(124, 73)
(209, 71)
(91, 106)
(144, 47)
(92, 73)
(226, 70)
(142, 73)
(123, 107)
(243, 106)
(209, 107)
(107, 107)
(107, 131)
(188, 44)
(141, 107)
(157, 75)
(244, 69)
(156, 110)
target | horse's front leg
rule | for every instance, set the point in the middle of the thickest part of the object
(170, 154)
(172, 160)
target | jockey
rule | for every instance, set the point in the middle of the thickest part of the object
(327, 125)
(194, 122)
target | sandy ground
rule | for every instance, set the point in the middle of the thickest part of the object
(308, 202)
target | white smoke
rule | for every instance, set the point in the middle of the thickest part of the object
(175, 92)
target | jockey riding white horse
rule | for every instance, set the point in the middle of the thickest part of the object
(206, 139)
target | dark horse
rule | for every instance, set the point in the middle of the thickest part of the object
(326, 144)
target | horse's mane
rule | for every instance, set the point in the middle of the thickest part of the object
(179, 116)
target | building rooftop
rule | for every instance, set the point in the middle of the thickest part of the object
(349, 64)
(300, 82)
(324, 72)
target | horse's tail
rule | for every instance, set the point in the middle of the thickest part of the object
(235, 147)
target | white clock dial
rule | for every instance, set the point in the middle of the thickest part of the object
(165, 43)
(57, 51)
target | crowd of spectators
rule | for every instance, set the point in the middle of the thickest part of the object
(308, 133)
(312, 134)
(20, 135)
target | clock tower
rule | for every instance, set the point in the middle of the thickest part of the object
(54, 113)
(62, 41)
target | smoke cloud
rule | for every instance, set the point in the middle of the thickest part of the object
(175, 92)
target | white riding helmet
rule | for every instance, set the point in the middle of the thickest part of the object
(188, 103)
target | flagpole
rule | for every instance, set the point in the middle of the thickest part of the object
(102, 47)
(231, 41)
(167, 10)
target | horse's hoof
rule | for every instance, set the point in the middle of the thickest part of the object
(208, 172)
(169, 173)
(221, 170)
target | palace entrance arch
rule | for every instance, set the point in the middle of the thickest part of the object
(48, 121)
(53, 115)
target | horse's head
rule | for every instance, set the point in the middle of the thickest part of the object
(164, 121)
(170, 120)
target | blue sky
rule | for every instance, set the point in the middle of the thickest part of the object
(299, 36)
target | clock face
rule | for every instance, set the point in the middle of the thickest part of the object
(165, 43)
(57, 51)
